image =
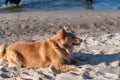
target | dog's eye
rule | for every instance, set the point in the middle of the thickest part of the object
(73, 32)
(73, 37)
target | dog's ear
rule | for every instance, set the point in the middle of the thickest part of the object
(65, 28)
(61, 33)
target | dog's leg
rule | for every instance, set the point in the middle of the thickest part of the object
(14, 59)
(17, 4)
(6, 2)
(66, 68)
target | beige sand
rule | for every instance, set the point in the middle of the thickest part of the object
(99, 52)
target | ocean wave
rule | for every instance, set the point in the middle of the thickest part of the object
(40, 5)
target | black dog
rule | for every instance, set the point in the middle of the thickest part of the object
(13, 2)
(89, 1)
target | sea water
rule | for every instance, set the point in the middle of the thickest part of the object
(53, 5)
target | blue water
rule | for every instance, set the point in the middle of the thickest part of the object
(53, 5)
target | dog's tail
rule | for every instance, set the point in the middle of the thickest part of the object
(3, 51)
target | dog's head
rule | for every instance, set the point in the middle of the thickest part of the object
(68, 38)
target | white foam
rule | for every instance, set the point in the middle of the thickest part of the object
(6, 6)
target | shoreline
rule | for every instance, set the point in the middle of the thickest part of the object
(68, 11)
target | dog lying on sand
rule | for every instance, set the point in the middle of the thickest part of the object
(53, 51)
(13, 1)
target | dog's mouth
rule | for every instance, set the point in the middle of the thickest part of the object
(75, 44)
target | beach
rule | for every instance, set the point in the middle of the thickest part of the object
(99, 52)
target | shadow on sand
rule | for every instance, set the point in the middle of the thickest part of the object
(95, 59)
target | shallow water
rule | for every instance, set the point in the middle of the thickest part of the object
(52, 5)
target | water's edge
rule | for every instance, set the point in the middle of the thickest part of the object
(54, 5)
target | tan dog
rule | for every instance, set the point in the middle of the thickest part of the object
(53, 51)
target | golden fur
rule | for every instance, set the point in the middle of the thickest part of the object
(53, 52)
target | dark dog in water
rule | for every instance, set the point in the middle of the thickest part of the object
(12, 2)
(89, 1)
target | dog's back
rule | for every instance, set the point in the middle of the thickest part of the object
(15, 1)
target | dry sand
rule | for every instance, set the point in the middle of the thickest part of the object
(99, 52)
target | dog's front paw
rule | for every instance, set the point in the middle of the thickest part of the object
(80, 69)
(12, 65)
